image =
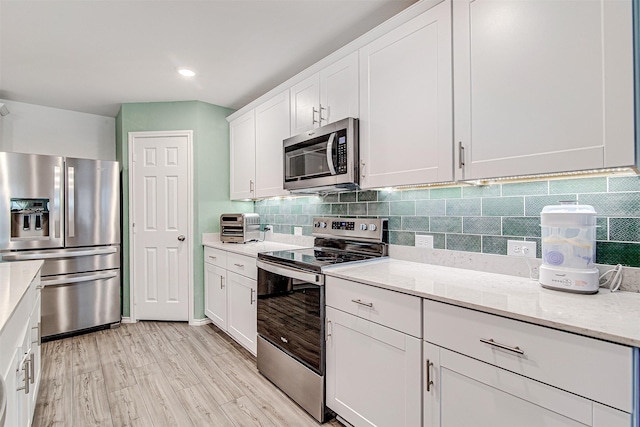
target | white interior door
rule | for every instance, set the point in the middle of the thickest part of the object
(160, 210)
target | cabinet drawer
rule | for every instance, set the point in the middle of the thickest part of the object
(215, 257)
(243, 265)
(392, 309)
(595, 369)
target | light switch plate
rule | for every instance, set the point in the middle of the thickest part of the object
(424, 241)
(297, 231)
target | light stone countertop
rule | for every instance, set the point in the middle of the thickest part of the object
(15, 278)
(609, 316)
(251, 248)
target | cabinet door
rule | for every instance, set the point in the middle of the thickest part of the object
(215, 295)
(272, 127)
(406, 103)
(542, 86)
(243, 156)
(339, 90)
(474, 393)
(373, 373)
(243, 320)
(35, 340)
(305, 102)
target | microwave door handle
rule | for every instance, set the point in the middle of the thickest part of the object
(332, 169)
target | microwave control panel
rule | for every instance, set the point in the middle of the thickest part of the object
(342, 153)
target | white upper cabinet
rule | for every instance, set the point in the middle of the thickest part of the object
(406, 129)
(272, 127)
(243, 156)
(339, 90)
(542, 86)
(325, 97)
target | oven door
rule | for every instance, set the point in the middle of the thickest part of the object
(291, 313)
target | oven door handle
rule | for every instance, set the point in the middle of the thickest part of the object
(306, 276)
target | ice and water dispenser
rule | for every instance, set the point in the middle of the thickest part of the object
(29, 219)
(569, 248)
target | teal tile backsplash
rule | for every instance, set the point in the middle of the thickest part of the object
(478, 219)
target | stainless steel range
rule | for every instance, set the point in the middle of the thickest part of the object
(291, 311)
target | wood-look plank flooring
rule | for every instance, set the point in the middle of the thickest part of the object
(159, 374)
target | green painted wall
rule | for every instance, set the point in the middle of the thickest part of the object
(210, 174)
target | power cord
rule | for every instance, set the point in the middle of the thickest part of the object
(532, 268)
(615, 280)
(264, 232)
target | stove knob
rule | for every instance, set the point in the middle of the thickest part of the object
(363, 227)
(372, 227)
(316, 224)
(323, 225)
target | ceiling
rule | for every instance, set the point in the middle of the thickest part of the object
(93, 55)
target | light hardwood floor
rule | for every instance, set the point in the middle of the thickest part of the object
(158, 374)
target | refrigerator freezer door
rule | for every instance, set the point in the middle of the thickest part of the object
(74, 302)
(28, 180)
(93, 202)
(69, 261)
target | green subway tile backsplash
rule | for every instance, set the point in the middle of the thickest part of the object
(478, 218)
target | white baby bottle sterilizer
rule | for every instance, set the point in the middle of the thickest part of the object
(569, 248)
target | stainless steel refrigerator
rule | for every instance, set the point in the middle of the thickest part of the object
(65, 211)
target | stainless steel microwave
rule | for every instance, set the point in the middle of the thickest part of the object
(323, 159)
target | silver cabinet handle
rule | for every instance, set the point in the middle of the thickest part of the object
(491, 342)
(39, 339)
(252, 292)
(213, 257)
(181, 237)
(429, 381)
(239, 265)
(32, 368)
(313, 115)
(362, 164)
(366, 304)
(327, 332)
(322, 118)
(251, 185)
(25, 368)
(460, 155)
(221, 282)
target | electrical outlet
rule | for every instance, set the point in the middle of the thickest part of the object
(521, 248)
(424, 241)
(297, 231)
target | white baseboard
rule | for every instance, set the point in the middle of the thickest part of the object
(199, 322)
(127, 320)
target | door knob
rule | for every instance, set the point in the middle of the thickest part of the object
(181, 237)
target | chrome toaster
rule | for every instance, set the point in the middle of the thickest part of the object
(239, 227)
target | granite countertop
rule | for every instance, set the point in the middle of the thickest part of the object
(15, 278)
(250, 248)
(609, 316)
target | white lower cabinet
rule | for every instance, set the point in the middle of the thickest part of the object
(20, 358)
(373, 372)
(242, 311)
(215, 294)
(230, 294)
(464, 391)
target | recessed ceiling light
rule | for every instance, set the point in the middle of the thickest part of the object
(186, 72)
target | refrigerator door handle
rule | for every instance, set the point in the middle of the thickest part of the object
(57, 211)
(57, 255)
(88, 278)
(71, 200)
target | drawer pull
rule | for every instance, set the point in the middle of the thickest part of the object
(490, 341)
(239, 265)
(429, 380)
(213, 257)
(367, 304)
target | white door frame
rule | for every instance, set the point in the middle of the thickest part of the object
(189, 135)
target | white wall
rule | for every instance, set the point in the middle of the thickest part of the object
(43, 130)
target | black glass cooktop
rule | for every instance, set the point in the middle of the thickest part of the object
(312, 258)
